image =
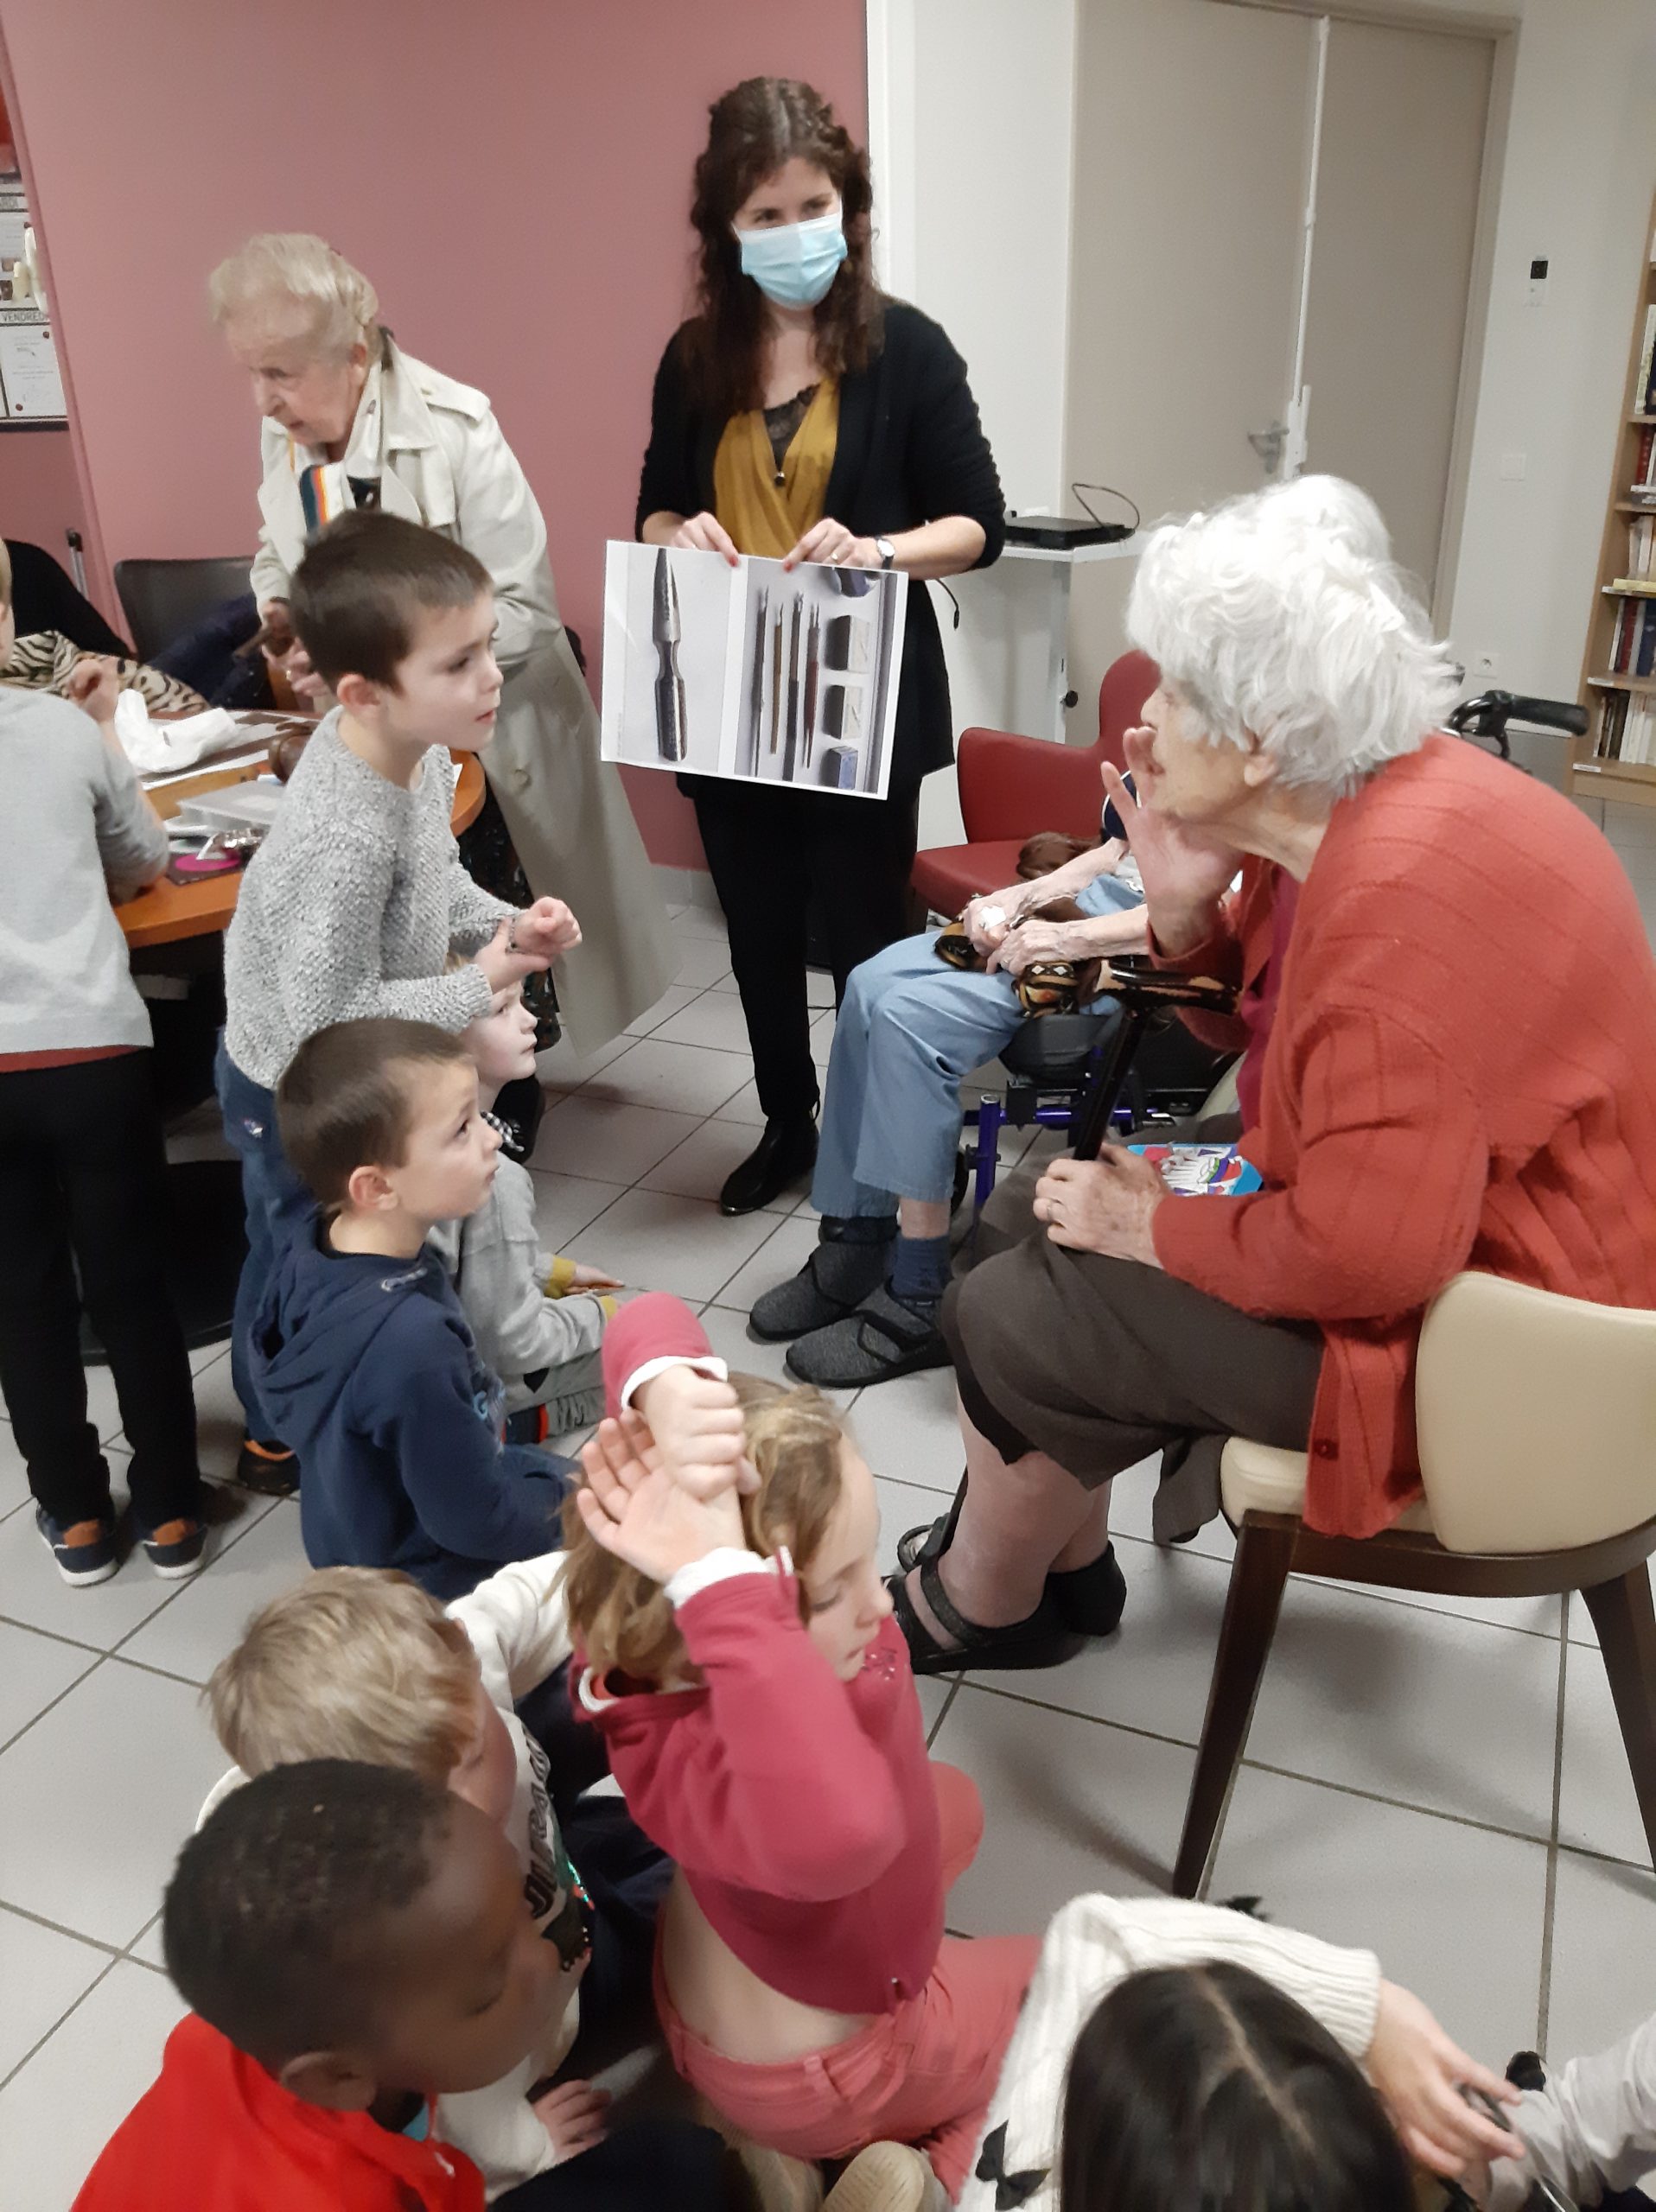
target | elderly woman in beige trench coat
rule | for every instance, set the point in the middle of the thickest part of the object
(349, 419)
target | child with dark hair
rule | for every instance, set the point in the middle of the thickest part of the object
(356, 899)
(354, 1941)
(1173, 2054)
(360, 1345)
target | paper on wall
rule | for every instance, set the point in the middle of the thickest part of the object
(29, 370)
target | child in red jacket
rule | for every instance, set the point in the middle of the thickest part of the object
(759, 1713)
(354, 1942)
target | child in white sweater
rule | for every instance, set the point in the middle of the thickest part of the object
(360, 1663)
(1158, 2062)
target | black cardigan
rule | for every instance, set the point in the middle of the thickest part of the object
(910, 449)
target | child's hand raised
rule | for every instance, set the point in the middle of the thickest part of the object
(547, 928)
(506, 963)
(634, 1507)
(573, 2115)
(697, 1426)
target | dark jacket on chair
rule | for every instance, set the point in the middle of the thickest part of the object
(911, 450)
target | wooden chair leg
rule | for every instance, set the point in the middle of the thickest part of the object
(1623, 1616)
(1263, 1553)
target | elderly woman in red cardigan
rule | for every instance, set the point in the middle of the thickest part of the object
(1460, 1074)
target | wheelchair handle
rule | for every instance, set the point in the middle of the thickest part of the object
(1488, 714)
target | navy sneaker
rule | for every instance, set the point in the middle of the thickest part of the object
(86, 1551)
(177, 1549)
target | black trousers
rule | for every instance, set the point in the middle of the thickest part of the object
(82, 1184)
(646, 2166)
(769, 851)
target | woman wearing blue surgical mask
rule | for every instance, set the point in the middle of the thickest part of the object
(802, 415)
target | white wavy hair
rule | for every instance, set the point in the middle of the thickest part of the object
(296, 265)
(1280, 616)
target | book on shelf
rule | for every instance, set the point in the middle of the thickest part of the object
(1644, 653)
(1640, 534)
(1642, 382)
(1641, 477)
(1626, 729)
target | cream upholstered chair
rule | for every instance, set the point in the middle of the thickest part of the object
(1537, 1421)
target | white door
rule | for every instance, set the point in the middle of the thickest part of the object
(1203, 135)
(1191, 139)
(1404, 117)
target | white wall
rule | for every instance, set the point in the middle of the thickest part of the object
(970, 133)
(1575, 187)
(983, 152)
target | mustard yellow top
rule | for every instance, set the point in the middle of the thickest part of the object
(762, 515)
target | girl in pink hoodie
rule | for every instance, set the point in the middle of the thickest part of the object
(759, 1713)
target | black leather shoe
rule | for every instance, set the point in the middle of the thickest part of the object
(787, 1151)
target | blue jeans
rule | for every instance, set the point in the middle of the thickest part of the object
(275, 1200)
(910, 1030)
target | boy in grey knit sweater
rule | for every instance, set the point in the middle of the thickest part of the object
(357, 898)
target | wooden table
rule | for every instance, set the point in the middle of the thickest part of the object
(168, 912)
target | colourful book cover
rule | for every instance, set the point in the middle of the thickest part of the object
(1198, 1171)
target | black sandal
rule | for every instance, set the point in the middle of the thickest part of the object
(1042, 1640)
(1089, 1599)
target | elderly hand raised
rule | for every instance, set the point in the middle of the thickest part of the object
(1184, 874)
(1104, 1205)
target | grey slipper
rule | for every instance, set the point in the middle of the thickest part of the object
(882, 1339)
(833, 1282)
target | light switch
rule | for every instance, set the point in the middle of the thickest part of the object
(1535, 285)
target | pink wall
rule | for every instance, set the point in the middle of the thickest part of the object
(40, 493)
(514, 175)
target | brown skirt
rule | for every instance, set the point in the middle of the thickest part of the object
(1098, 1362)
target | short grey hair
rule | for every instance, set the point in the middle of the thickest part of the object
(1278, 617)
(296, 265)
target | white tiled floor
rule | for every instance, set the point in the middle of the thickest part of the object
(1436, 1779)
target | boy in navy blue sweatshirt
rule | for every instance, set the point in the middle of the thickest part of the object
(361, 1350)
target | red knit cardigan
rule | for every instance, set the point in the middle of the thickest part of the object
(1460, 1074)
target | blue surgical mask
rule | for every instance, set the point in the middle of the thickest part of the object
(794, 263)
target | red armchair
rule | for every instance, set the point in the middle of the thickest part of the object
(1012, 787)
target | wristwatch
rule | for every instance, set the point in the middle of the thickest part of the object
(887, 551)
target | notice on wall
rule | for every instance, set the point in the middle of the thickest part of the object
(29, 370)
(751, 673)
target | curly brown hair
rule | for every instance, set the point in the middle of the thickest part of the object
(752, 131)
(623, 1620)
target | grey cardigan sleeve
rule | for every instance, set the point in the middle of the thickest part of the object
(499, 1272)
(1591, 2131)
(131, 842)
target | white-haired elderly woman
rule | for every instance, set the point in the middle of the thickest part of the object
(351, 420)
(1458, 1076)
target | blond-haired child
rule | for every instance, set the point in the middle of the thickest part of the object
(362, 1663)
(739, 1656)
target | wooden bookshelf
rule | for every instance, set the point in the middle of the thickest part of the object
(1590, 777)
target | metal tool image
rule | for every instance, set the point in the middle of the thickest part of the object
(812, 679)
(670, 742)
(756, 691)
